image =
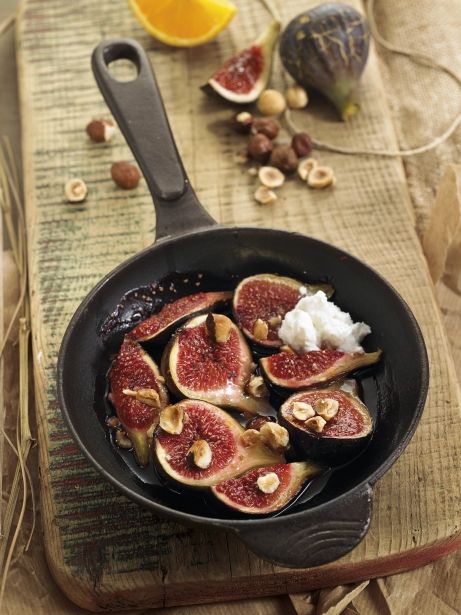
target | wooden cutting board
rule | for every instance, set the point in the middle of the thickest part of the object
(104, 551)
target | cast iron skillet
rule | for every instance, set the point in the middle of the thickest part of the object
(188, 239)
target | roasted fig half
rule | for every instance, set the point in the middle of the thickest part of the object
(138, 395)
(330, 426)
(173, 314)
(198, 444)
(261, 302)
(265, 490)
(209, 359)
(291, 370)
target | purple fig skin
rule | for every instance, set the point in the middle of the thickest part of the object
(326, 48)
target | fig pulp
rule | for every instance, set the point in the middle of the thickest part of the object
(261, 302)
(284, 481)
(228, 454)
(296, 371)
(172, 314)
(138, 395)
(328, 425)
(242, 78)
(198, 366)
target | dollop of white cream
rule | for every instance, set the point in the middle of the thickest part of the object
(317, 323)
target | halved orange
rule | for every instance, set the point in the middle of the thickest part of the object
(183, 23)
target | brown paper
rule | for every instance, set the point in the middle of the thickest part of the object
(442, 239)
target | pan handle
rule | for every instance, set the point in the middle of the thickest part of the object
(138, 109)
(313, 537)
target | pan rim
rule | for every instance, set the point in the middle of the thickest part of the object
(242, 523)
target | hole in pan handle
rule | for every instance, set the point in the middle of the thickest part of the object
(313, 537)
(138, 108)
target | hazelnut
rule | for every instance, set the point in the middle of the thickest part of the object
(265, 196)
(250, 437)
(296, 97)
(122, 440)
(200, 453)
(302, 144)
(274, 436)
(302, 411)
(305, 167)
(256, 387)
(150, 397)
(259, 147)
(316, 423)
(275, 321)
(75, 190)
(271, 177)
(125, 175)
(271, 102)
(284, 158)
(327, 408)
(258, 421)
(268, 483)
(219, 327)
(265, 126)
(100, 131)
(260, 329)
(321, 177)
(242, 122)
(172, 419)
(253, 171)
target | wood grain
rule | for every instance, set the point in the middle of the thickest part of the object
(104, 551)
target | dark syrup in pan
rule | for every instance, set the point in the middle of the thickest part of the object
(137, 305)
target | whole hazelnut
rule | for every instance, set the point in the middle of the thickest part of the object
(296, 97)
(265, 126)
(100, 131)
(271, 102)
(259, 147)
(302, 144)
(242, 122)
(284, 157)
(125, 175)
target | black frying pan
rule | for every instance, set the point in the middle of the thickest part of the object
(188, 239)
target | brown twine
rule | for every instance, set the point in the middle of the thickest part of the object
(413, 55)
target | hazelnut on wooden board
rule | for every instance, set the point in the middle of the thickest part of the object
(265, 126)
(75, 190)
(321, 177)
(305, 167)
(296, 97)
(259, 147)
(284, 157)
(302, 144)
(125, 175)
(264, 196)
(271, 177)
(100, 131)
(242, 122)
(271, 102)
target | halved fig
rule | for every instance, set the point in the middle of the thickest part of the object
(173, 314)
(261, 302)
(265, 490)
(138, 395)
(243, 77)
(209, 448)
(328, 425)
(198, 366)
(291, 370)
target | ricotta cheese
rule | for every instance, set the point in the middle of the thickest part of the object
(317, 323)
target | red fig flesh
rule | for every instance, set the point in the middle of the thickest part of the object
(200, 367)
(247, 493)
(228, 455)
(261, 302)
(172, 314)
(296, 371)
(138, 395)
(342, 433)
